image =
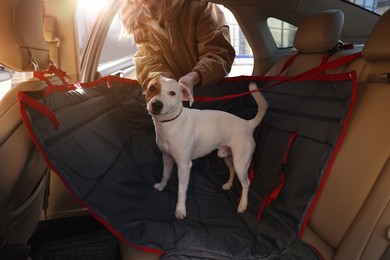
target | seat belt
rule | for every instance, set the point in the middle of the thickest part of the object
(50, 33)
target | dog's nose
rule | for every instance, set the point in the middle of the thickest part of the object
(157, 106)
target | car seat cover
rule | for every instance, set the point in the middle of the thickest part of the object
(105, 152)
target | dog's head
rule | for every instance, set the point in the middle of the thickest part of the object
(164, 97)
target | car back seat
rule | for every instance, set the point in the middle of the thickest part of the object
(316, 36)
(317, 41)
(352, 217)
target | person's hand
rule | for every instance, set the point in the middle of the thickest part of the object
(190, 80)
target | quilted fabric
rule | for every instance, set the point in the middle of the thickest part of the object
(100, 140)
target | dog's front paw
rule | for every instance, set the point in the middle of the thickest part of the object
(159, 186)
(227, 186)
(180, 213)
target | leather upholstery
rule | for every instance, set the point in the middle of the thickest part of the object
(377, 46)
(23, 171)
(320, 32)
(352, 213)
(22, 22)
(315, 37)
(51, 37)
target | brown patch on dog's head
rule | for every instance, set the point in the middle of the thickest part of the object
(153, 89)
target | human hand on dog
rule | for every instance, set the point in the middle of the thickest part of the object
(190, 80)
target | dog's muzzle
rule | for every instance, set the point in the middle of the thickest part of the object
(157, 106)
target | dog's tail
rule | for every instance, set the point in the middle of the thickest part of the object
(262, 105)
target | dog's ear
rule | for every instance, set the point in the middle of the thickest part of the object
(187, 95)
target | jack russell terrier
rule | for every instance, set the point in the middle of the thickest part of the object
(184, 134)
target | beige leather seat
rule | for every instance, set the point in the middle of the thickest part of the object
(316, 37)
(352, 217)
(23, 171)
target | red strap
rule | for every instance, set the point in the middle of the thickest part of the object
(302, 76)
(270, 197)
(40, 75)
(345, 46)
(29, 101)
(292, 59)
(340, 46)
(289, 62)
(52, 70)
(251, 172)
(289, 144)
(281, 180)
(275, 193)
(55, 88)
(325, 58)
(59, 73)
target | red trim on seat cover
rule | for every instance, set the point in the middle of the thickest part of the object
(27, 100)
(333, 156)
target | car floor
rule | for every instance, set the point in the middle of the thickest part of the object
(73, 238)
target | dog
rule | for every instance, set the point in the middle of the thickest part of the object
(184, 134)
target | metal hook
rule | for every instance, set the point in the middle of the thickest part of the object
(35, 64)
(51, 62)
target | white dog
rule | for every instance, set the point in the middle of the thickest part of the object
(184, 134)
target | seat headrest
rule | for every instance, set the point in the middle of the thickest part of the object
(320, 32)
(22, 35)
(377, 46)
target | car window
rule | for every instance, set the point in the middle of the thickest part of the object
(282, 32)
(376, 6)
(10, 78)
(243, 63)
(119, 47)
(5, 81)
(118, 50)
(87, 13)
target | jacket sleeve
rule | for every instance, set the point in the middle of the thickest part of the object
(216, 54)
(149, 64)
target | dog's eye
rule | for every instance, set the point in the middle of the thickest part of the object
(152, 88)
(172, 93)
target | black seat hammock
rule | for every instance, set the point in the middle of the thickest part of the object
(100, 140)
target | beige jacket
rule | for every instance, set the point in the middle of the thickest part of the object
(195, 38)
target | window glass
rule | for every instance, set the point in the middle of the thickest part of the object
(282, 32)
(118, 50)
(87, 13)
(377, 6)
(5, 81)
(243, 63)
(10, 78)
(118, 42)
(119, 47)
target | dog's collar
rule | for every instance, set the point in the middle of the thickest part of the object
(169, 120)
